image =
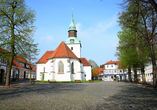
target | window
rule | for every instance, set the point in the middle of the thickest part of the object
(72, 68)
(111, 65)
(60, 67)
(107, 65)
(27, 66)
(71, 48)
(21, 64)
(120, 70)
(71, 40)
(44, 69)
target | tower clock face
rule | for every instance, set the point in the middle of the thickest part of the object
(71, 40)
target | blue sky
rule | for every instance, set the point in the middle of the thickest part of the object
(96, 23)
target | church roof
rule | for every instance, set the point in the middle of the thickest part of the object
(44, 58)
(85, 62)
(62, 51)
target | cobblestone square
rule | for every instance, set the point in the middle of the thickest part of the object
(79, 96)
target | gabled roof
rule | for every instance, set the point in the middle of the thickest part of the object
(85, 62)
(100, 70)
(44, 58)
(21, 59)
(113, 62)
(104, 67)
(62, 51)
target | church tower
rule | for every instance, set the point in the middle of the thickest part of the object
(72, 42)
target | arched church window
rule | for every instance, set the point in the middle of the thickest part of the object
(60, 67)
(72, 68)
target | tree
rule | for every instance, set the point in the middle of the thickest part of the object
(92, 62)
(32, 52)
(146, 26)
(101, 66)
(129, 54)
(16, 30)
(95, 72)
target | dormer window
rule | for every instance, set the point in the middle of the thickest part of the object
(71, 40)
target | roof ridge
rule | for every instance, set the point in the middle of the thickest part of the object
(56, 50)
(66, 48)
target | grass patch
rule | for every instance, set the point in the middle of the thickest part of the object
(68, 81)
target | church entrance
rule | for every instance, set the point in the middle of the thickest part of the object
(2, 72)
(42, 77)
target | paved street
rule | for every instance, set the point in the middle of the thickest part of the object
(79, 96)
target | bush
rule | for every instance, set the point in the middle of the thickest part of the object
(117, 79)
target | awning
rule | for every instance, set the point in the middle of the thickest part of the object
(120, 74)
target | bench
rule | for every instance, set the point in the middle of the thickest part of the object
(91, 80)
(77, 80)
(52, 80)
(14, 84)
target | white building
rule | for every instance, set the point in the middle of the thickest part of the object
(112, 70)
(64, 63)
(19, 71)
(149, 72)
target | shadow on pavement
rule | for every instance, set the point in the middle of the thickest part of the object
(40, 89)
(131, 97)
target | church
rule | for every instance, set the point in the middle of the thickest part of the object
(65, 62)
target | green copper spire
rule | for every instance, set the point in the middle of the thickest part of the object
(72, 24)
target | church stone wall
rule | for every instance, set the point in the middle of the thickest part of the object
(39, 69)
(87, 70)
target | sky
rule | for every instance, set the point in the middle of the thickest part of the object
(95, 20)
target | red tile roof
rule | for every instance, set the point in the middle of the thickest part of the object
(44, 58)
(63, 51)
(100, 70)
(104, 67)
(21, 59)
(113, 62)
(85, 62)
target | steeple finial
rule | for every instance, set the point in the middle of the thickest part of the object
(72, 12)
(72, 24)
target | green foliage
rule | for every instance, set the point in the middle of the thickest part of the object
(16, 17)
(16, 31)
(133, 49)
(68, 81)
(117, 78)
(101, 66)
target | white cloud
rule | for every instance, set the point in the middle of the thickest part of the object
(97, 29)
(47, 39)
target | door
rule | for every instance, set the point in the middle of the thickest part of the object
(24, 74)
(43, 77)
(1, 75)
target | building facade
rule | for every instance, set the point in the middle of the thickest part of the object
(19, 71)
(65, 62)
(112, 70)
